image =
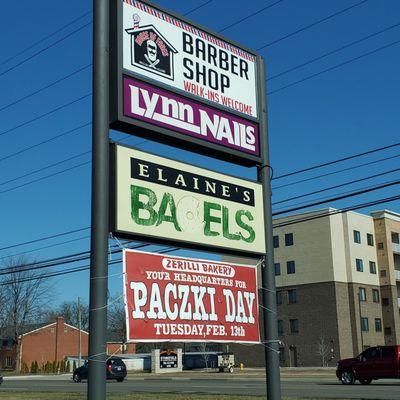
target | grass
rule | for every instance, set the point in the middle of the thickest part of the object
(130, 396)
(118, 396)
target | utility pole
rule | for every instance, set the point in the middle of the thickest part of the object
(100, 203)
(267, 267)
(80, 333)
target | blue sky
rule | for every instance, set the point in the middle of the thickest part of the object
(348, 110)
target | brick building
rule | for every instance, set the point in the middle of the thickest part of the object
(338, 286)
(51, 342)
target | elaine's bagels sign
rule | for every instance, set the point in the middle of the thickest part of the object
(181, 299)
(174, 82)
(172, 202)
(171, 111)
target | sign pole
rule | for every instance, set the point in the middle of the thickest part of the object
(267, 269)
(100, 203)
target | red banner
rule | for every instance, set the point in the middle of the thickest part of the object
(182, 299)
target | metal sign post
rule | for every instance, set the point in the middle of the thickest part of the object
(100, 223)
(267, 269)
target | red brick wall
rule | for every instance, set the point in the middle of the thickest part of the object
(4, 353)
(52, 343)
(115, 348)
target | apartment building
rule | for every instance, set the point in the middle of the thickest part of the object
(338, 286)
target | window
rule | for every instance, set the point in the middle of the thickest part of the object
(395, 238)
(282, 358)
(370, 239)
(364, 324)
(357, 236)
(388, 331)
(385, 301)
(277, 269)
(292, 296)
(359, 265)
(9, 362)
(372, 267)
(294, 325)
(289, 239)
(291, 267)
(388, 351)
(375, 295)
(279, 298)
(371, 353)
(362, 293)
(383, 273)
(280, 327)
(380, 246)
(276, 242)
(378, 325)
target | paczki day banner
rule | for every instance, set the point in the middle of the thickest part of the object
(182, 299)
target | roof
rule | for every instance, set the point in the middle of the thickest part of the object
(7, 332)
(134, 31)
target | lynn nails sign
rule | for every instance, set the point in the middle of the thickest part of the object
(172, 202)
(190, 118)
(189, 300)
(172, 77)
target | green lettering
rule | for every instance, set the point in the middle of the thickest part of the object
(166, 201)
(138, 205)
(225, 225)
(246, 227)
(208, 218)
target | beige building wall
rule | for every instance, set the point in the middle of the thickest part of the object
(387, 222)
(328, 284)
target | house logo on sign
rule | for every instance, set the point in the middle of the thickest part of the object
(150, 50)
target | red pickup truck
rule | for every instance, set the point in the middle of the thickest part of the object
(380, 362)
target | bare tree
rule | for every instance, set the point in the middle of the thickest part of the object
(203, 348)
(323, 350)
(25, 291)
(116, 318)
(70, 312)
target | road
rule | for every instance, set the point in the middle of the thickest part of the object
(314, 387)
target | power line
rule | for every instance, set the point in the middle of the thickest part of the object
(198, 7)
(59, 172)
(343, 210)
(71, 270)
(44, 168)
(328, 197)
(45, 177)
(44, 238)
(344, 10)
(335, 172)
(334, 67)
(45, 141)
(54, 110)
(336, 186)
(45, 38)
(333, 51)
(250, 15)
(356, 155)
(13, 103)
(45, 49)
(45, 247)
(54, 262)
(357, 193)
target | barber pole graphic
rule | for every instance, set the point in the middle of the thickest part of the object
(189, 300)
